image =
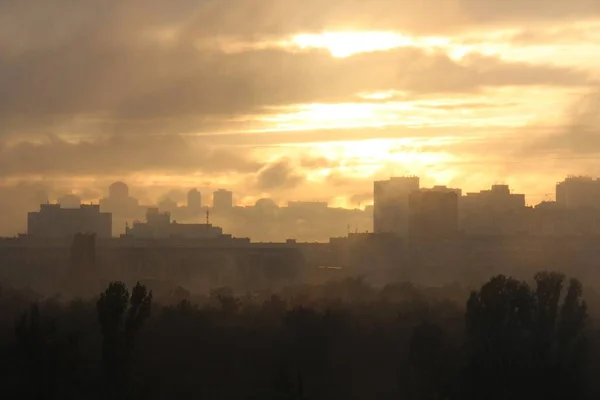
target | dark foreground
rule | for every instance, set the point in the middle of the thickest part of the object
(345, 340)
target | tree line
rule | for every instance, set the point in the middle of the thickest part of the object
(507, 339)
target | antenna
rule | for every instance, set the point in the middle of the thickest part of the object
(207, 216)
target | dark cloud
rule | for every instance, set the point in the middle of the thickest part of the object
(105, 68)
(120, 155)
(279, 175)
(275, 17)
(179, 91)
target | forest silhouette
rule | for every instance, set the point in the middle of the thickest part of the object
(341, 340)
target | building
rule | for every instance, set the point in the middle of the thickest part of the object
(498, 199)
(390, 209)
(366, 252)
(194, 202)
(493, 212)
(169, 205)
(119, 201)
(121, 205)
(223, 200)
(158, 225)
(433, 213)
(578, 192)
(52, 221)
(445, 189)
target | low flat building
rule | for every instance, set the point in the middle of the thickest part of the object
(159, 226)
(53, 221)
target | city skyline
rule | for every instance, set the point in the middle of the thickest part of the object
(180, 196)
(314, 107)
(402, 207)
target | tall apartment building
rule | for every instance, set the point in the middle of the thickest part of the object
(578, 192)
(222, 200)
(433, 214)
(391, 204)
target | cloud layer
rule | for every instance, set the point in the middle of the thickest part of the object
(218, 91)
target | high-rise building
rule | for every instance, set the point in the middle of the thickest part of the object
(223, 199)
(194, 201)
(391, 208)
(119, 202)
(433, 214)
(578, 192)
(52, 221)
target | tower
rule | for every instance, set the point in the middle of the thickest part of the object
(194, 201)
(222, 200)
(391, 209)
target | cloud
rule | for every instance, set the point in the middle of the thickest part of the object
(361, 198)
(317, 162)
(279, 175)
(180, 91)
(118, 68)
(116, 155)
(579, 137)
(26, 19)
(132, 80)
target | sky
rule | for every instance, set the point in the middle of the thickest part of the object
(309, 100)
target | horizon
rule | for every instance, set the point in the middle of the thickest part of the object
(298, 102)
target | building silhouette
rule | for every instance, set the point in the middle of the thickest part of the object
(53, 221)
(194, 202)
(498, 199)
(223, 199)
(119, 202)
(168, 204)
(391, 208)
(578, 192)
(433, 214)
(496, 211)
(158, 225)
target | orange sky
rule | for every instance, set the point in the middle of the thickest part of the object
(294, 100)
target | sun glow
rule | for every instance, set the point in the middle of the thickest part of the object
(345, 44)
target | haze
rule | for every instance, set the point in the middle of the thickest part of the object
(293, 100)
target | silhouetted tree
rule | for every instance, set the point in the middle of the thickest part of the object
(120, 317)
(522, 342)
